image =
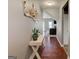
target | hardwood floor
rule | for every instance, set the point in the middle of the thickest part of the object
(52, 49)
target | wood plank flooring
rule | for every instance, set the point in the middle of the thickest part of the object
(52, 49)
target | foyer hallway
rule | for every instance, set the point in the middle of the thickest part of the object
(52, 49)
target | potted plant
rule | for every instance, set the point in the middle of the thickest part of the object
(35, 34)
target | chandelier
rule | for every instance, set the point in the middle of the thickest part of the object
(29, 9)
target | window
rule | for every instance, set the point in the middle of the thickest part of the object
(50, 24)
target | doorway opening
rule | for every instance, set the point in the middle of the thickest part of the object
(49, 25)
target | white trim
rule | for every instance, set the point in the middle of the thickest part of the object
(59, 42)
(52, 35)
(63, 48)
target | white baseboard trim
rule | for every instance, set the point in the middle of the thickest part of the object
(60, 42)
(63, 48)
(12, 57)
(52, 35)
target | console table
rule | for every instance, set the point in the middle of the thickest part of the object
(35, 46)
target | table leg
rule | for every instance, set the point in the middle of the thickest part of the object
(34, 53)
(37, 54)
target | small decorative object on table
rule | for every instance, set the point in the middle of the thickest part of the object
(35, 34)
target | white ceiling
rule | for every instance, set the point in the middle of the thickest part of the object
(50, 3)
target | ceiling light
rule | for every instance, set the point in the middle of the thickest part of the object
(49, 3)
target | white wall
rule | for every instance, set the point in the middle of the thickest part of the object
(20, 29)
(66, 29)
(59, 26)
(59, 23)
(53, 12)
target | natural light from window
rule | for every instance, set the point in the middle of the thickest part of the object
(50, 24)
